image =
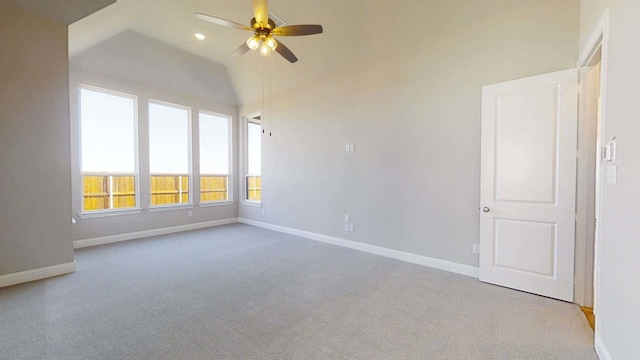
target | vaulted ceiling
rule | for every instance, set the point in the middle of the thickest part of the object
(173, 22)
(357, 34)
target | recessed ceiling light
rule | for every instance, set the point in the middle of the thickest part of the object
(200, 36)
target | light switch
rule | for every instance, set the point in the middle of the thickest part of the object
(609, 151)
(347, 218)
(476, 249)
(612, 174)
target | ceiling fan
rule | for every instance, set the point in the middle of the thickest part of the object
(264, 32)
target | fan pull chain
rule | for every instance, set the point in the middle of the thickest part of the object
(266, 69)
(262, 117)
(270, 98)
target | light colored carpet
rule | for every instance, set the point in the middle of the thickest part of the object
(240, 292)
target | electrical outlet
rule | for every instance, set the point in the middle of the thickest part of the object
(190, 214)
(476, 248)
(346, 227)
(350, 227)
(262, 212)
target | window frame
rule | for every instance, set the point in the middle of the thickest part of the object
(255, 118)
(137, 209)
(230, 181)
(175, 206)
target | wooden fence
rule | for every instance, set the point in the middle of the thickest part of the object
(254, 187)
(169, 189)
(103, 192)
(214, 188)
(106, 191)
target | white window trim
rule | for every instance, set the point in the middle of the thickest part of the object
(171, 207)
(178, 206)
(108, 212)
(230, 180)
(216, 203)
(244, 158)
(252, 203)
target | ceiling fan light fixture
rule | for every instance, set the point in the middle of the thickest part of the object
(271, 43)
(254, 42)
(265, 50)
(264, 31)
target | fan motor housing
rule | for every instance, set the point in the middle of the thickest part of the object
(270, 25)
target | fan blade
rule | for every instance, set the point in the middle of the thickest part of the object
(241, 50)
(261, 12)
(286, 53)
(223, 22)
(298, 30)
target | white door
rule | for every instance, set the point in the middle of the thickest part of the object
(528, 184)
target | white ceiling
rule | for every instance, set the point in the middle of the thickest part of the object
(143, 60)
(357, 33)
(173, 22)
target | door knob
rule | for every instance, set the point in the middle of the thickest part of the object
(486, 209)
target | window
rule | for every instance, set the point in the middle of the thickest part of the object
(169, 154)
(108, 149)
(253, 184)
(214, 157)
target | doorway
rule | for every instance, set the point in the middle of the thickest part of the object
(590, 168)
(587, 170)
(507, 251)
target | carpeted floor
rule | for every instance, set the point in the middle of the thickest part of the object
(240, 292)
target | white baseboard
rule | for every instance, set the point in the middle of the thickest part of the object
(372, 249)
(36, 274)
(601, 350)
(78, 244)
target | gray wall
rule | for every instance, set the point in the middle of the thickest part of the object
(72, 11)
(138, 58)
(149, 69)
(413, 113)
(618, 314)
(106, 226)
(35, 185)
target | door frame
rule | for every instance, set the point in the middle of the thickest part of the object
(598, 42)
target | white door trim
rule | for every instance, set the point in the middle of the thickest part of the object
(599, 40)
(585, 189)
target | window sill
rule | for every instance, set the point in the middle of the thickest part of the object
(252, 203)
(109, 213)
(170, 207)
(216, 203)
